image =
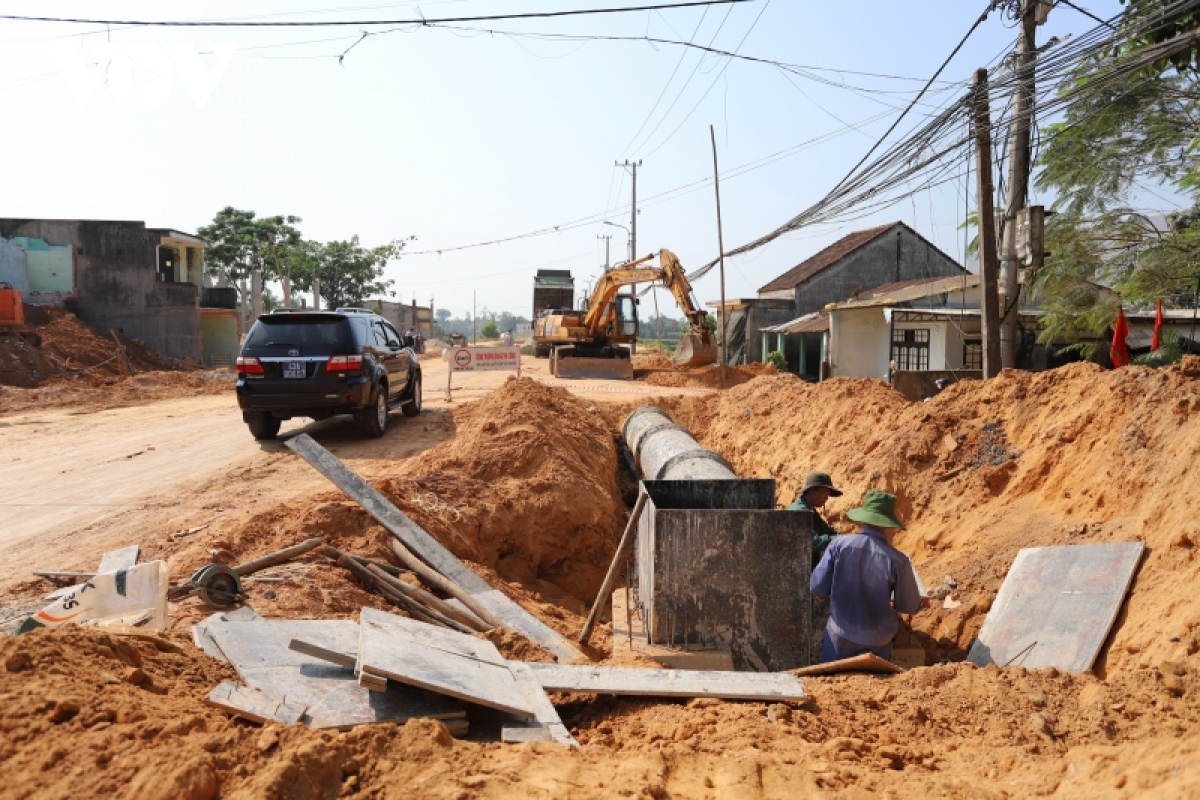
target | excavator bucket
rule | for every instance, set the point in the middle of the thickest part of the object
(695, 350)
(564, 363)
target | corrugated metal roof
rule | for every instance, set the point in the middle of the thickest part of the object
(907, 291)
(816, 322)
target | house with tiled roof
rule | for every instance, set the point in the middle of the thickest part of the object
(857, 263)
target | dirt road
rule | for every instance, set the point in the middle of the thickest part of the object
(79, 482)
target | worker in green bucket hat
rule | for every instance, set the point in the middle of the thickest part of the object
(867, 580)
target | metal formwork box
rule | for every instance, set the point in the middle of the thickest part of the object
(717, 567)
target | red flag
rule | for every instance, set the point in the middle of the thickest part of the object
(1155, 341)
(1118, 353)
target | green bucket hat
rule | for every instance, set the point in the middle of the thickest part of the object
(878, 508)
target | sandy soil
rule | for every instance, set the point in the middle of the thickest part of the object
(1072, 456)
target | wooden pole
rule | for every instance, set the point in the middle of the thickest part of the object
(988, 267)
(723, 313)
(618, 559)
(421, 596)
(276, 558)
(436, 580)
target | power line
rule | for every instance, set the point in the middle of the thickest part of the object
(332, 23)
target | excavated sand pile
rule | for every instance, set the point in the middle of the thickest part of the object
(655, 368)
(69, 362)
(1076, 455)
(1072, 456)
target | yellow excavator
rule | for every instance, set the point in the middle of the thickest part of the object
(588, 343)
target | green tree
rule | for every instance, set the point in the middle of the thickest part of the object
(490, 330)
(443, 315)
(241, 245)
(348, 272)
(1117, 139)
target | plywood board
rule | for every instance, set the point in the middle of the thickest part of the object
(123, 558)
(544, 712)
(669, 682)
(671, 658)
(204, 641)
(336, 645)
(407, 629)
(512, 734)
(253, 705)
(867, 662)
(430, 550)
(406, 659)
(1056, 606)
(259, 652)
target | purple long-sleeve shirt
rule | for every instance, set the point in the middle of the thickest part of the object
(864, 577)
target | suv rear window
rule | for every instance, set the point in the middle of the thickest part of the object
(328, 332)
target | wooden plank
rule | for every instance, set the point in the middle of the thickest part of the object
(669, 682)
(430, 550)
(124, 558)
(408, 660)
(543, 710)
(337, 645)
(1057, 606)
(461, 644)
(203, 639)
(669, 658)
(867, 662)
(253, 705)
(514, 734)
(371, 682)
(263, 660)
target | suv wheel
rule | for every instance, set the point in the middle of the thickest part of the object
(412, 407)
(374, 420)
(264, 426)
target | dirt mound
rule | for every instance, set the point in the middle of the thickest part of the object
(1075, 455)
(92, 713)
(655, 368)
(527, 486)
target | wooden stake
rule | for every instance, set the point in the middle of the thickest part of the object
(618, 559)
(276, 558)
(425, 598)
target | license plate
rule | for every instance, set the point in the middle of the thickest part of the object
(293, 369)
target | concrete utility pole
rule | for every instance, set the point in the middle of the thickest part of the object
(607, 237)
(723, 316)
(1024, 64)
(633, 165)
(990, 307)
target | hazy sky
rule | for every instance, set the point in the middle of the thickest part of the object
(458, 137)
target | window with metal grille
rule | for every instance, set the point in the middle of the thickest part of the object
(910, 348)
(973, 354)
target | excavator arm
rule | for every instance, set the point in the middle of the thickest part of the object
(695, 347)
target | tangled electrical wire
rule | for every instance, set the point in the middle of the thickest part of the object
(929, 154)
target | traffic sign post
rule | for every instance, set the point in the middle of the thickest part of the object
(480, 359)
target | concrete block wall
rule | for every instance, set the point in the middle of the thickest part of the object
(116, 282)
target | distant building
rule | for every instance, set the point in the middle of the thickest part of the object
(404, 316)
(145, 283)
(857, 262)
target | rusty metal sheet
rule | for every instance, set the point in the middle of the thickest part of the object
(1056, 606)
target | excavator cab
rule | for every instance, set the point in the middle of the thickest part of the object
(625, 306)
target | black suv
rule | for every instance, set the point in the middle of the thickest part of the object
(321, 363)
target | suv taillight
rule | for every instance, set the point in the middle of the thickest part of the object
(249, 366)
(344, 364)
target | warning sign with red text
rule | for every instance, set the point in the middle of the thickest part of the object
(473, 359)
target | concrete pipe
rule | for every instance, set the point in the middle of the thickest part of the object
(666, 451)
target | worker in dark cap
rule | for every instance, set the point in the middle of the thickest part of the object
(818, 488)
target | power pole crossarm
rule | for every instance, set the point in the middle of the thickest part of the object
(990, 307)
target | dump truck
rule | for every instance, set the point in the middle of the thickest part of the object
(553, 293)
(588, 343)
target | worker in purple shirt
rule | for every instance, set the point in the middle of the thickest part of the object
(865, 578)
